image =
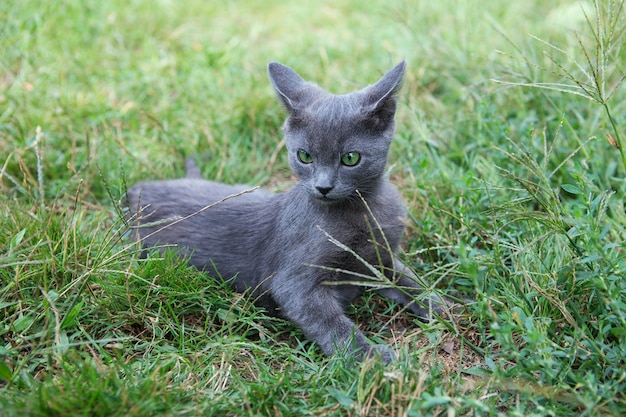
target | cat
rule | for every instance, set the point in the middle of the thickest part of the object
(301, 253)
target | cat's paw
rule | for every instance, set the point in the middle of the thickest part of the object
(361, 349)
(384, 352)
(425, 309)
(434, 305)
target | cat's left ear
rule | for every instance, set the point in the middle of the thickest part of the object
(286, 82)
(380, 98)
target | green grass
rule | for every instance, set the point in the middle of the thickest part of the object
(503, 154)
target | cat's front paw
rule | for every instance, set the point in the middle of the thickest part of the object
(361, 349)
(386, 354)
(424, 309)
(434, 305)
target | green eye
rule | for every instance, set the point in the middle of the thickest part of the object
(305, 157)
(350, 159)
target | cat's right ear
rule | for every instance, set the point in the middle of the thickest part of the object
(287, 84)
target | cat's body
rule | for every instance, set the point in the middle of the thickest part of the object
(278, 246)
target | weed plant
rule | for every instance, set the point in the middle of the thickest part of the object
(509, 152)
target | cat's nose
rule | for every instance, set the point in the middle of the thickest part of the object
(324, 190)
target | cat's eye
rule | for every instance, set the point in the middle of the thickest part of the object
(350, 159)
(305, 157)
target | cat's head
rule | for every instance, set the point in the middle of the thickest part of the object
(337, 144)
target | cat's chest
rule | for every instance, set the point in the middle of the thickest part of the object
(337, 236)
(359, 222)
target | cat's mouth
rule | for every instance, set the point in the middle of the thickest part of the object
(324, 198)
(329, 199)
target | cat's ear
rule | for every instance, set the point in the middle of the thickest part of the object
(385, 88)
(380, 98)
(287, 84)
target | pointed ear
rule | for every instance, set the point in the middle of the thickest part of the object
(381, 96)
(286, 82)
(379, 103)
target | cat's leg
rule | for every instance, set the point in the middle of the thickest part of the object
(316, 310)
(408, 289)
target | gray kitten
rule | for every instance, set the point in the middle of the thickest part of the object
(280, 247)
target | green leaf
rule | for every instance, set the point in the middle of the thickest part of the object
(435, 400)
(572, 189)
(5, 372)
(477, 370)
(17, 239)
(23, 323)
(341, 397)
(70, 317)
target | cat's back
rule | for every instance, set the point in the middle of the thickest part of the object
(213, 224)
(200, 214)
(191, 192)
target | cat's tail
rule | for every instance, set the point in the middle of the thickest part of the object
(191, 169)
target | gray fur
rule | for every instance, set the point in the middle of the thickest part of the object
(277, 245)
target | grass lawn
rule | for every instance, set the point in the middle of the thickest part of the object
(509, 153)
